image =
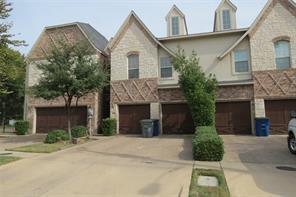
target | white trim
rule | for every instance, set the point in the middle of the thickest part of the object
(233, 62)
(251, 27)
(159, 69)
(222, 20)
(205, 34)
(133, 14)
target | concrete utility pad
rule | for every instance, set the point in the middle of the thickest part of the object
(207, 181)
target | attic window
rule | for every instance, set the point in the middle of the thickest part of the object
(226, 19)
(175, 25)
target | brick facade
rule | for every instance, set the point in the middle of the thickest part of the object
(93, 100)
(134, 91)
(48, 38)
(275, 84)
(235, 93)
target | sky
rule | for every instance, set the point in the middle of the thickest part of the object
(29, 17)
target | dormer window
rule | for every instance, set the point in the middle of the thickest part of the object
(175, 25)
(226, 19)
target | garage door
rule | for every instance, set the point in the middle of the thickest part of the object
(177, 119)
(278, 111)
(52, 118)
(233, 118)
(130, 117)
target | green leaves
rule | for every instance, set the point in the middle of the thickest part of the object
(70, 71)
(5, 36)
(199, 89)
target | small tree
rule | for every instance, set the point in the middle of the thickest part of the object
(198, 88)
(70, 71)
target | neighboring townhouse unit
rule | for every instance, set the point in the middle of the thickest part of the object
(255, 69)
(44, 115)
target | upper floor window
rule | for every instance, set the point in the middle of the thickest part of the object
(133, 66)
(166, 69)
(282, 54)
(241, 61)
(226, 19)
(175, 25)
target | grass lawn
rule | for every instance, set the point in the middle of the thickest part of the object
(220, 191)
(41, 148)
(7, 159)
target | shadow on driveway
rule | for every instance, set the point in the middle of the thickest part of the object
(250, 164)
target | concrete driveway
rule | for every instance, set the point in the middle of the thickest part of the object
(116, 166)
(250, 166)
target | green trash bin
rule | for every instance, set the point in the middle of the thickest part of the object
(147, 128)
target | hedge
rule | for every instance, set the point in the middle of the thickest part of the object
(21, 127)
(205, 129)
(109, 126)
(207, 145)
(56, 136)
(79, 131)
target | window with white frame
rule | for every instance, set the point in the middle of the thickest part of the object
(282, 54)
(175, 25)
(133, 66)
(241, 61)
(166, 69)
(226, 19)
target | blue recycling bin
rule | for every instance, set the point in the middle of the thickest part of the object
(156, 127)
(262, 127)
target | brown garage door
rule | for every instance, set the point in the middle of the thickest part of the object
(130, 117)
(52, 118)
(233, 118)
(278, 111)
(177, 119)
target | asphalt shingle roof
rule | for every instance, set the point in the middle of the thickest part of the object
(97, 39)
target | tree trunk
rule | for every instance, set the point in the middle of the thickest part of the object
(3, 115)
(68, 106)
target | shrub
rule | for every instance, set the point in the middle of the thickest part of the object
(205, 130)
(109, 126)
(198, 88)
(21, 127)
(208, 146)
(56, 136)
(79, 131)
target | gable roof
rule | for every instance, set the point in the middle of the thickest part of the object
(133, 15)
(97, 40)
(181, 14)
(177, 9)
(270, 3)
(228, 2)
(218, 8)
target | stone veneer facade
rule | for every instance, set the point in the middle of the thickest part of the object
(277, 23)
(50, 37)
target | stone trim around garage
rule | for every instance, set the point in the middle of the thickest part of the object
(93, 100)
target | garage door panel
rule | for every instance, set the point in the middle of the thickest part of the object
(52, 118)
(130, 117)
(278, 111)
(177, 119)
(233, 118)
